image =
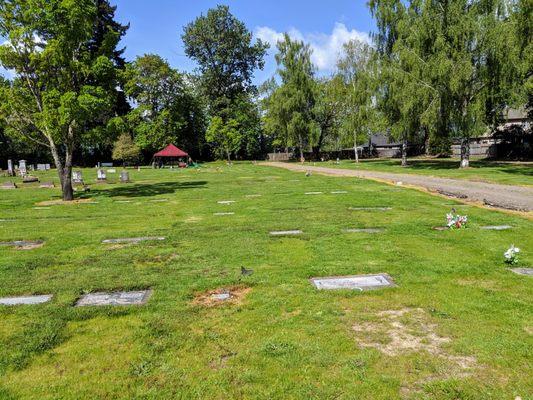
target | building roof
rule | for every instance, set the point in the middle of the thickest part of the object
(171, 151)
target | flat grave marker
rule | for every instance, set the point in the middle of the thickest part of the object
(223, 213)
(8, 185)
(23, 244)
(338, 192)
(286, 233)
(226, 201)
(363, 230)
(355, 282)
(313, 193)
(253, 195)
(370, 208)
(47, 185)
(25, 300)
(114, 298)
(523, 271)
(133, 240)
(496, 227)
(221, 296)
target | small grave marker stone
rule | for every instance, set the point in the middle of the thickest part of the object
(286, 233)
(10, 170)
(22, 167)
(339, 192)
(496, 227)
(313, 193)
(101, 175)
(114, 298)
(221, 296)
(8, 185)
(133, 240)
(25, 300)
(226, 202)
(523, 271)
(77, 177)
(47, 185)
(124, 177)
(355, 282)
(370, 208)
(363, 230)
(41, 167)
(29, 244)
(224, 213)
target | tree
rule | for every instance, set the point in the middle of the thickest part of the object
(294, 100)
(225, 136)
(61, 86)
(222, 47)
(126, 150)
(327, 112)
(447, 65)
(357, 71)
(167, 111)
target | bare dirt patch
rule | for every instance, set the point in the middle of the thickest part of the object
(230, 295)
(408, 330)
(61, 202)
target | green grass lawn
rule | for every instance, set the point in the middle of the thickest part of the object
(480, 170)
(462, 321)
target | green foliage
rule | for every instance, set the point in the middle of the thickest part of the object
(224, 136)
(358, 71)
(290, 107)
(126, 150)
(167, 110)
(65, 80)
(222, 47)
(447, 68)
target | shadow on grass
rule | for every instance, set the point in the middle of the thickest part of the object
(436, 165)
(147, 190)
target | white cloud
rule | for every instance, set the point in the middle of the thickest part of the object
(326, 47)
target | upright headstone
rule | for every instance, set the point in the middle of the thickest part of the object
(124, 176)
(47, 167)
(101, 175)
(10, 170)
(41, 167)
(76, 177)
(22, 167)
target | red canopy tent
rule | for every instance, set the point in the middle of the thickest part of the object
(171, 153)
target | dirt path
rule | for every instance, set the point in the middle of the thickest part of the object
(509, 197)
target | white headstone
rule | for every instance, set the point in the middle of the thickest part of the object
(77, 177)
(101, 176)
(10, 170)
(22, 167)
(124, 176)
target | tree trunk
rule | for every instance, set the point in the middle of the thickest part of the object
(64, 172)
(301, 148)
(404, 153)
(465, 153)
(65, 176)
(355, 147)
(426, 142)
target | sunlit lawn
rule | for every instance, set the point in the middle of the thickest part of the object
(285, 339)
(512, 173)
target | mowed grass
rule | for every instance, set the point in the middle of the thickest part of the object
(509, 173)
(285, 339)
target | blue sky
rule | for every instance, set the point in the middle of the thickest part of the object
(156, 26)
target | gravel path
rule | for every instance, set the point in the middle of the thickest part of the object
(502, 196)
